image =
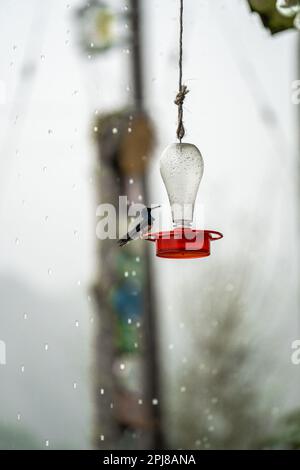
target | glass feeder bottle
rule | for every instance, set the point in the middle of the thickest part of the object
(181, 168)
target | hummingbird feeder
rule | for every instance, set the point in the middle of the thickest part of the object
(181, 168)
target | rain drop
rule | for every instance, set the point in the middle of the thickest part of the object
(114, 130)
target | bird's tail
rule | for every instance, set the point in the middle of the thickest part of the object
(123, 241)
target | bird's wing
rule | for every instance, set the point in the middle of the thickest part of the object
(135, 232)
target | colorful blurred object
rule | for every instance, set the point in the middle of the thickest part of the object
(99, 28)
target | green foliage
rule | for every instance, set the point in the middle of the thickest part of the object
(270, 17)
(288, 433)
(14, 438)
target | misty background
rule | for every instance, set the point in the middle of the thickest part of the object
(240, 114)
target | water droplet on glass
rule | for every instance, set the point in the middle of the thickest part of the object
(19, 416)
(77, 323)
(95, 129)
(74, 385)
(155, 401)
(102, 437)
(22, 368)
(17, 241)
(46, 218)
(137, 259)
(92, 44)
(122, 366)
(42, 57)
(47, 443)
(129, 321)
(126, 274)
(182, 389)
(114, 130)
(138, 324)
(46, 347)
(14, 47)
(50, 272)
(129, 130)
(102, 391)
(25, 316)
(50, 131)
(44, 169)
(140, 401)
(131, 181)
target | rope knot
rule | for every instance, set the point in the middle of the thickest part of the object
(180, 97)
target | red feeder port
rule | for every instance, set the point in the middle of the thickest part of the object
(183, 242)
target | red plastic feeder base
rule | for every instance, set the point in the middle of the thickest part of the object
(183, 242)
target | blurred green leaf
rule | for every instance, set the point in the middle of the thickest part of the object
(270, 17)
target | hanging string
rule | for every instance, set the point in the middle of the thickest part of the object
(182, 90)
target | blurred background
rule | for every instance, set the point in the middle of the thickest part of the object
(110, 348)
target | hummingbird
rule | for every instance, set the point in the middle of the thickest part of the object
(143, 227)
